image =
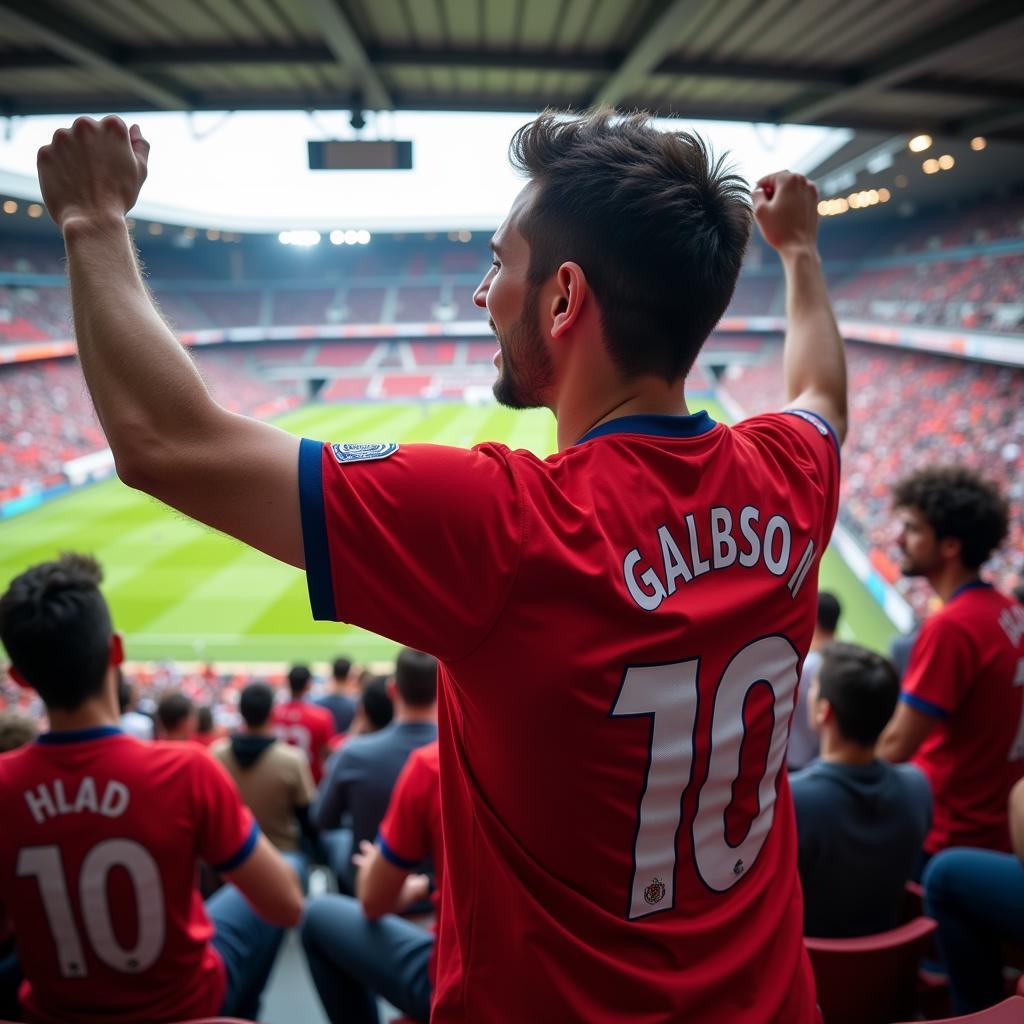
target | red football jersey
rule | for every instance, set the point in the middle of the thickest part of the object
(411, 829)
(967, 670)
(308, 727)
(102, 834)
(621, 628)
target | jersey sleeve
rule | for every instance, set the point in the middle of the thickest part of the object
(227, 832)
(405, 832)
(940, 672)
(417, 543)
(809, 442)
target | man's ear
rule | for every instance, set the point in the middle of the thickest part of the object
(116, 650)
(19, 678)
(823, 712)
(951, 547)
(567, 302)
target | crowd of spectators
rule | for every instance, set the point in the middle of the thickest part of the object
(909, 410)
(47, 418)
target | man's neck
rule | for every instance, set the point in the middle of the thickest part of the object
(405, 715)
(836, 750)
(90, 715)
(260, 730)
(948, 580)
(643, 398)
(821, 639)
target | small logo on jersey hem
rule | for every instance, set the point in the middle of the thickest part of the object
(363, 452)
(655, 892)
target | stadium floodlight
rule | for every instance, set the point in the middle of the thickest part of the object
(10, 206)
(930, 166)
(34, 210)
(946, 161)
(360, 155)
(303, 238)
(978, 143)
(919, 143)
(351, 237)
(884, 195)
(363, 236)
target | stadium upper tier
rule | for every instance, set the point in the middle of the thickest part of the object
(962, 271)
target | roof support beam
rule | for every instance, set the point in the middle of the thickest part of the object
(648, 51)
(348, 49)
(914, 58)
(78, 45)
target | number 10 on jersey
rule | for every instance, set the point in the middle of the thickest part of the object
(669, 696)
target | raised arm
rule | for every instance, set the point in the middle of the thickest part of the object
(814, 358)
(169, 437)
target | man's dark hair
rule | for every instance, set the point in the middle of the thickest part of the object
(204, 719)
(341, 668)
(299, 678)
(416, 677)
(658, 225)
(829, 610)
(172, 709)
(377, 704)
(56, 628)
(957, 502)
(255, 704)
(862, 688)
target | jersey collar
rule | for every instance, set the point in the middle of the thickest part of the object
(654, 425)
(969, 585)
(96, 732)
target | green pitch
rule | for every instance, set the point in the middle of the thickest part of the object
(179, 590)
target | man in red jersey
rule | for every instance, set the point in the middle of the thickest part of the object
(357, 948)
(303, 724)
(961, 711)
(620, 627)
(102, 833)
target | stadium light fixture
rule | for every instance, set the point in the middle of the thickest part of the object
(919, 143)
(10, 206)
(212, 235)
(363, 236)
(946, 161)
(34, 210)
(302, 238)
(156, 229)
(978, 143)
(901, 181)
(351, 237)
(884, 195)
(930, 166)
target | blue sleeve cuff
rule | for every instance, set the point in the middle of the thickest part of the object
(247, 847)
(924, 706)
(819, 421)
(314, 531)
(392, 858)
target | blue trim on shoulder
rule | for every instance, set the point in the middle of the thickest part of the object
(246, 848)
(96, 732)
(314, 531)
(970, 585)
(657, 425)
(924, 706)
(392, 858)
(818, 418)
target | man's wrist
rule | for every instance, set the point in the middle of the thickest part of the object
(797, 252)
(85, 224)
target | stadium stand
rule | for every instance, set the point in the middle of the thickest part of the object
(911, 409)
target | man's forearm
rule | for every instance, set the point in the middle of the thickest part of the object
(814, 357)
(145, 387)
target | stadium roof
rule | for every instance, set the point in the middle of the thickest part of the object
(951, 67)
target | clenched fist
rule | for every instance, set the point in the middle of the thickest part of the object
(786, 210)
(94, 169)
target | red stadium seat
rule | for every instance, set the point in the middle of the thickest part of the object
(870, 980)
(1011, 1011)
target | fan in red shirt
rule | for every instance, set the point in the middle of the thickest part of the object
(304, 724)
(620, 626)
(961, 716)
(102, 833)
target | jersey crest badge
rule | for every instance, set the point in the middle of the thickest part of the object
(363, 452)
(655, 892)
